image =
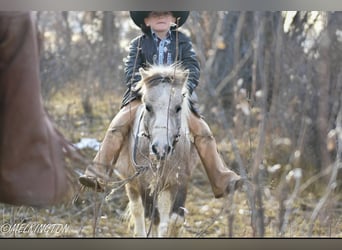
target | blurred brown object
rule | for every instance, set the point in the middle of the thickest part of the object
(32, 164)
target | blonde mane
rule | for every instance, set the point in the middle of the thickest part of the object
(174, 74)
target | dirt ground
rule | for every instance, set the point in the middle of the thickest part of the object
(206, 217)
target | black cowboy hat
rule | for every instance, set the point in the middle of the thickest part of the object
(139, 16)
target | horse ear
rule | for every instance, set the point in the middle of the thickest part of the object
(143, 73)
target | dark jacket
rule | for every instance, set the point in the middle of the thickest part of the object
(147, 56)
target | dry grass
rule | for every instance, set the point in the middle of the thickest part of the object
(206, 216)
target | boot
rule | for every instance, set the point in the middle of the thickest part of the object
(222, 180)
(97, 176)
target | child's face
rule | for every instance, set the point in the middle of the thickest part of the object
(160, 21)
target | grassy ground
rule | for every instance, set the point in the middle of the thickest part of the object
(205, 217)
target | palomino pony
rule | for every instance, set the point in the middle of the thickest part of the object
(160, 149)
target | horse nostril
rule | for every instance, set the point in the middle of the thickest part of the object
(167, 149)
(161, 152)
(154, 149)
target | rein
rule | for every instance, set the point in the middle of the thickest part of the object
(139, 168)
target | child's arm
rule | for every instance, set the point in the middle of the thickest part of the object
(133, 63)
(190, 62)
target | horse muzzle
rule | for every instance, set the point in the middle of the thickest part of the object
(161, 151)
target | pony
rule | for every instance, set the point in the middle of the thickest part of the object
(159, 153)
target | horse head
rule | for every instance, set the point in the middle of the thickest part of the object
(164, 96)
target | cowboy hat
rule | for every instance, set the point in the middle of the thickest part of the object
(139, 16)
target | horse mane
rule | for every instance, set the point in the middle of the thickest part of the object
(174, 74)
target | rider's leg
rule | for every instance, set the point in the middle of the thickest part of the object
(221, 178)
(97, 175)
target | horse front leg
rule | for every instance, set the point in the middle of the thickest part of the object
(177, 218)
(164, 208)
(136, 208)
(175, 224)
(171, 210)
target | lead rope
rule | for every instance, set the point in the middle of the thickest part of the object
(155, 194)
(139, 168)
(174, 73)
(177, 41)
(133, 73)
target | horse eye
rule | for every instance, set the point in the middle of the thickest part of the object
(148, 108)
(178, 108)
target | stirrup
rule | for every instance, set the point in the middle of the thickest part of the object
(91, 182)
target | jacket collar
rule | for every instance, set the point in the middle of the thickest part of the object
(168, 35)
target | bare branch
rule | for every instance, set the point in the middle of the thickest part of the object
(235, 71)
(333, 178)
